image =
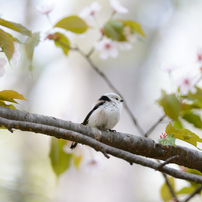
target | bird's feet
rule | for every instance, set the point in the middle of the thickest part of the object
(112, 130)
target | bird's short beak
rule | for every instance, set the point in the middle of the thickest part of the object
(121, 100)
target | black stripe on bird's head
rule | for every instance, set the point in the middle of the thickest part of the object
(104, 98)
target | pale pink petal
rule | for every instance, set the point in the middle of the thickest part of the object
(168, 67)
(117, 7)
(90, 11)
(187, 83)
(45, 9)
(94, 165)
(107, 47)
(199, 55)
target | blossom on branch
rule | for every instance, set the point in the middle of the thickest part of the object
(199, 55)
(168, 68)
(107, 47)
(90, 11)
(45, 9)
(94, 165)
(187, 83)
(117, 7)
(2, 65)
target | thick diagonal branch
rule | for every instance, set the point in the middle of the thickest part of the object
(125, 142)
(98, 146)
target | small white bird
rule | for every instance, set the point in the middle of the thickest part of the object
(105, 113)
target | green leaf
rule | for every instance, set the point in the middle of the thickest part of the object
(196, 98)
(183, 134)
(10, 95)
(77, 160)
(16, 27)
(168, 140)
(193, 118)
(165, 191)
(6, 43)
(30, 44)
(73, 23)
(3, 104)
(170, 104)
(63, 42)
(186, 190)
(177, 124)
(60, 160)
(134, 26)
(114, 29)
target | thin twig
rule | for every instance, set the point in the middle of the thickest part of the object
(168, 161)
(154, 126)
(198, 189)
(170, 187)
(113, 88)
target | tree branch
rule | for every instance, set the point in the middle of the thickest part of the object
(120, 145)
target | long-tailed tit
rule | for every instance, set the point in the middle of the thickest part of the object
(105, 113)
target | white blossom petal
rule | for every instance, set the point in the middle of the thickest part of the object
(117, 7)
(107, 47)
(187, 83)
(168, 67)
(45, 9)
(90, 11)
(94, 165)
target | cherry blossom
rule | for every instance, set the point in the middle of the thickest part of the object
(94, 165)
(187, 83)
(199, 55)
(107, 47)
(90, 11)
(117, 7)
(2, 64)
(168, 67)
(45, 9)
(16, 55)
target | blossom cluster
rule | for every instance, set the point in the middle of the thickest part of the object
(106, 46)
(188, 78)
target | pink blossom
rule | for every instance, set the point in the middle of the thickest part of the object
(107, 47)
(90, 11)
(3, 62)
(168, 67)
(187, 83)
(45, 9)
(117, 7)
(94, 165)
(199, 55)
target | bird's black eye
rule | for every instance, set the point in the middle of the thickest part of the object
(117, 98)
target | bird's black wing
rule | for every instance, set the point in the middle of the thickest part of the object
(85, 122)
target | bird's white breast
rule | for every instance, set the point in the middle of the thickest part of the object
(105, 117)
